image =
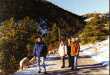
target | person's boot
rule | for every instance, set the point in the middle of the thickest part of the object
(39, 71)
(72, 68)
(45, 72)
(63, 63)
(69, 65)
(63, 66)
(75, 68)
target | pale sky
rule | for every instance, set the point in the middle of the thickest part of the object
(81, 7)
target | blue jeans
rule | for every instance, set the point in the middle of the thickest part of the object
(39, 61)
(73, 62)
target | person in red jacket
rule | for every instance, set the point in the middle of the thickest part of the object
(75, 47)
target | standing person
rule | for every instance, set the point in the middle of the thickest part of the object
(62, 52)
(74, 52)
(78, 48)
(69, 51)
(40, 51)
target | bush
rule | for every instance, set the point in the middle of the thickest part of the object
(15, 36)
(95, 30)
(7, 61)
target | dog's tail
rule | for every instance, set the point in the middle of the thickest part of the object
(22, 63)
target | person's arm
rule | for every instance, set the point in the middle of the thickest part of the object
(78, 47)
(65, 50)
(45, 50)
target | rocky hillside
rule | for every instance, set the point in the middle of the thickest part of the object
(35, 8)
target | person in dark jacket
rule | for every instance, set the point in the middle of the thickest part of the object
(40, 50)
(69, 51)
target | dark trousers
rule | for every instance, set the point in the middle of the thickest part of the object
(69, 60)
(73, 62)
(63, 61)
(39, 61)
(69, 54)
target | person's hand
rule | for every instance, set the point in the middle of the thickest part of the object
(66, 55)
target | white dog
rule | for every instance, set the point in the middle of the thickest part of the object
(25, 62)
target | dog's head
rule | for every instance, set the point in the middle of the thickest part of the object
(33, 60)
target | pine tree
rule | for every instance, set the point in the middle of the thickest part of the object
(7, 61)
(15, 36)
(55, 33)
(93, 30)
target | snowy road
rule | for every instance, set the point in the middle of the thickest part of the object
(85, 65)
(88, 63)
